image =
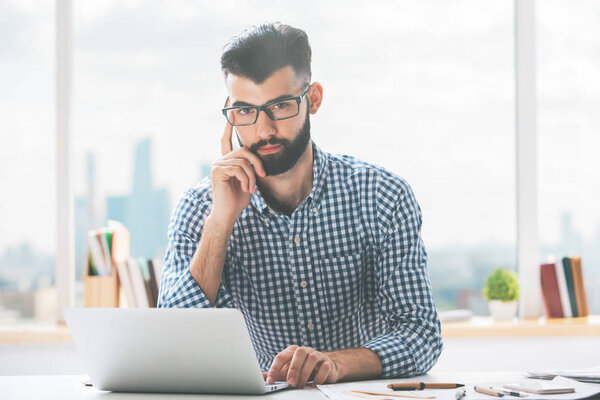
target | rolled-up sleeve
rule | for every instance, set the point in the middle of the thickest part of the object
(411, 343)
(178, 289)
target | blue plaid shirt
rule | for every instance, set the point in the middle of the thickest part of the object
(348, 268)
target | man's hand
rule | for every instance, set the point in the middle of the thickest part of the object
(233, 179)
(298, 365)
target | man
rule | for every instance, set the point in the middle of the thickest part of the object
(321, 253)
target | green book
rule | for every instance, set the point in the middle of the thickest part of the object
(109, 241)
(566, 261)
(92, 270)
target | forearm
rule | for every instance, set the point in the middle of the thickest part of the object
(207, 264)
(356, 364)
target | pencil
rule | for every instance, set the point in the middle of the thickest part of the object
(490, 392)
(423, 385)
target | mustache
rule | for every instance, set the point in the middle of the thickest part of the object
(272, 141)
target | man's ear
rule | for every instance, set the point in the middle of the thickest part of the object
(314, 96)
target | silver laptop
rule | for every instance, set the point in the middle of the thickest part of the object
(167, 350)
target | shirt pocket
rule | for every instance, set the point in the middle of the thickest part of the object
(340, 284)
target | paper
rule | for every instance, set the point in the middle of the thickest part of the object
(591, 374)
(341, 391)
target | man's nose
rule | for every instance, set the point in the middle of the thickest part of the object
(265, 126)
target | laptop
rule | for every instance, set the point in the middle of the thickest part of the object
(167, 350)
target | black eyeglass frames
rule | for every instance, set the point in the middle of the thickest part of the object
(277, 110)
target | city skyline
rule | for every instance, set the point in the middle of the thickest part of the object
(457, 272)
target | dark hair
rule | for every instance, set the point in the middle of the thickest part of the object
(259, 51)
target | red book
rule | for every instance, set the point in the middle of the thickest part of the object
(550, 291)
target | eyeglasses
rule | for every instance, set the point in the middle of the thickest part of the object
(277, 110)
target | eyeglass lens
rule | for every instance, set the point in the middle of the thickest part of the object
(248, 115)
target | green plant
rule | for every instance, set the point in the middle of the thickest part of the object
(502, 285)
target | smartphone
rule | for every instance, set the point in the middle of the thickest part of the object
(235, 141)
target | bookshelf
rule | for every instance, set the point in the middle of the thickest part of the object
(112, 277)
(487, 327)
(482, 327)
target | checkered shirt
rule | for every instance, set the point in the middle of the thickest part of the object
(348, 269)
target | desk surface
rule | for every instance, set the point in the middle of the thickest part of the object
(66, 387)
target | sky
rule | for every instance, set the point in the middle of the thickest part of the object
(423, 88)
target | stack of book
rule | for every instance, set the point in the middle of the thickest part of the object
(563, 289)
(109, 258)
(140, 279)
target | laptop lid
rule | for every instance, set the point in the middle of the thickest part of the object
(166, 350)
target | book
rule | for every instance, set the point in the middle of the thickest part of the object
(92, 270)
(158, 268)
(120, 244)
(154, 283)
(564, 290)
(578, 284)
(146, 274)
(540, 387)
(102, 239)
(569, 278)
(126, 282)
(550, 291)
(138, 283)
(97, 256)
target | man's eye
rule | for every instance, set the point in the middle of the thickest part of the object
(281, 106)
(245, 111)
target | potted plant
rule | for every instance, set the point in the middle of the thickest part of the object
(502, 292)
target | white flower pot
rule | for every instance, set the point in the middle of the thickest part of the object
(503, 310)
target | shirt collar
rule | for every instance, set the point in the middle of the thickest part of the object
(319, 175)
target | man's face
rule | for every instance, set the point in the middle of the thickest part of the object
(279, 144)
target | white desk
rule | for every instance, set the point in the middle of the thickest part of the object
(66, 387)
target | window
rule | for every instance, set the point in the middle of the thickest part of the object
(568, 99)
(433, 83)
(425, 89)
(27, 159)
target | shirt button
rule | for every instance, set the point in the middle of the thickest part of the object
(266, 221)
(297, 240)
(303, 284)
(314, 210)
(310, 326)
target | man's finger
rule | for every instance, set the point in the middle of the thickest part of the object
(226, 145)
(244, 165)
(256, 162)
(239, 174)
(293, 375)
(323, 372)
(281, 360)
(312, 359)
(251, 158)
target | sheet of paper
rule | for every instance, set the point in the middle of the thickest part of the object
(342, 391)
(591, 374)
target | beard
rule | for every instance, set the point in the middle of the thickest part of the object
(288, 156)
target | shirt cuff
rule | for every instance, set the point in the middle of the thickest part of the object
(396, 358)
(185, 293)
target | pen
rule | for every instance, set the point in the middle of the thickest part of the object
(423, 385)
(489, 391)
(460, 393)
(512, 392)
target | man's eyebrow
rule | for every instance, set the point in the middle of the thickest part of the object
(243, 103)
